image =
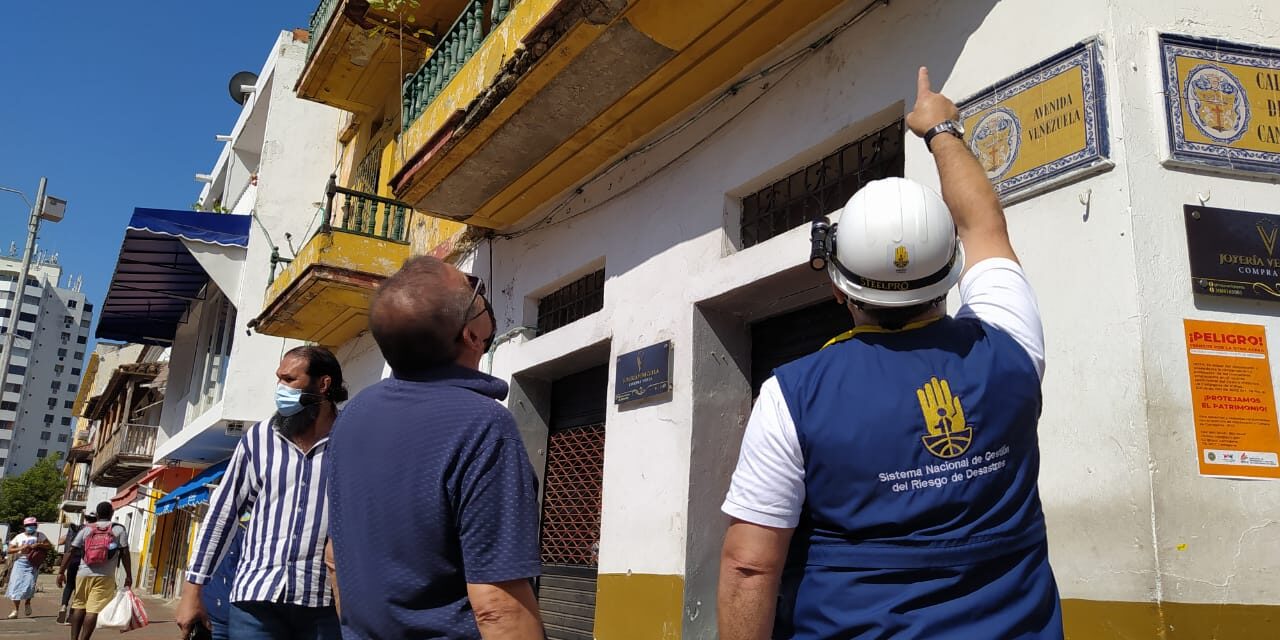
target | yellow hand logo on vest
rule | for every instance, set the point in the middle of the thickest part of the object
(948, 436)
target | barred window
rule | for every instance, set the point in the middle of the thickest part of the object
(821, 187)
(574, 301)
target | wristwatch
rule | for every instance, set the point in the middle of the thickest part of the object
(947, 126)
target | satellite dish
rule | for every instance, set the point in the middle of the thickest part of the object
(237, 84)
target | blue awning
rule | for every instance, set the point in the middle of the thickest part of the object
(157, 277)
(194, 492)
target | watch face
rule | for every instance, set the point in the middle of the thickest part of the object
(959, 127)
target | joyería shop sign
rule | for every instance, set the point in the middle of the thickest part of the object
(1233, 253)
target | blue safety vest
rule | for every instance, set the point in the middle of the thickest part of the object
(921, 516)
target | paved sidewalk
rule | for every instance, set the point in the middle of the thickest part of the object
(44, 624)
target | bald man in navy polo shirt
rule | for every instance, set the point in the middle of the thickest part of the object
(433, 502)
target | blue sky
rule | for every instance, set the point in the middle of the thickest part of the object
(117, 104)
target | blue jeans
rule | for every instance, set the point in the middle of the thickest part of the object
(278, 621)
(219, 630)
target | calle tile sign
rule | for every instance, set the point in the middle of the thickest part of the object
(1222, 104)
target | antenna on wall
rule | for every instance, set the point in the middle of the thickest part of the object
(242, 85)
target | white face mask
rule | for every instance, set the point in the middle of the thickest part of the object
(288, 400)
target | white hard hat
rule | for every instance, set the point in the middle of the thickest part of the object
(895, 246)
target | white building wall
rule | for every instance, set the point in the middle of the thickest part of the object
(1228, 527)
(1107, 256)
(275, 168)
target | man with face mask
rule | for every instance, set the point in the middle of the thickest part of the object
(277, 475)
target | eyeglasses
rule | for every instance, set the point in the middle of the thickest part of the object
(478, 291)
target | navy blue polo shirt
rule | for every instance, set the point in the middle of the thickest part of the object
(430, 488)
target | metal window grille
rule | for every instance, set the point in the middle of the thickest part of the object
(821, 187)
(576, 300)
(571, 500)
(369, 172)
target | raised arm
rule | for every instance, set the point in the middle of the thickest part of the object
(965, 187)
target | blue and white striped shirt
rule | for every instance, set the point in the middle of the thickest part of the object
(283, 488)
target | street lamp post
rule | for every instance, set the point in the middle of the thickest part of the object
(33, 226)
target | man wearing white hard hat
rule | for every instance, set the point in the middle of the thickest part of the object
(886, 485)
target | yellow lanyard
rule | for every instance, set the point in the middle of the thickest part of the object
(875, 329)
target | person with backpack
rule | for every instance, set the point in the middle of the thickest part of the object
(103, 545)
(28, 550)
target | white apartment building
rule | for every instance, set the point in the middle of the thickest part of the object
(52, 325)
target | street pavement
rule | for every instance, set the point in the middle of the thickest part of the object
(44, 624)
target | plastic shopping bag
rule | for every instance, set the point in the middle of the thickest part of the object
(138, 619)
(118, 612)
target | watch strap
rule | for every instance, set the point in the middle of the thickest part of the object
(947, 126)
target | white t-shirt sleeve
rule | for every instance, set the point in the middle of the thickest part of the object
(997, 291)
(768, 484)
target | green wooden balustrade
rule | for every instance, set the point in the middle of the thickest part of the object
(319, 20)
(365, 213)
(360, 213)
(458, 44)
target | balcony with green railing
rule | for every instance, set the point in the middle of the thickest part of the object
(322, 294)
(319, 20)
(359, 50)
(477, 20)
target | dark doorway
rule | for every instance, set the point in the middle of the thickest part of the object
(571, 504)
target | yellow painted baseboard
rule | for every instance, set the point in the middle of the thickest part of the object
(649, 607)
(639, 607)
(1104, 620)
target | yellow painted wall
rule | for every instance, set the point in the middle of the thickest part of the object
(344, 250)
(639, 607)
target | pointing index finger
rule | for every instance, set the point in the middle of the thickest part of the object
(922, 83)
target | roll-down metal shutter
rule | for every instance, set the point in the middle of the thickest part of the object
(571, 505)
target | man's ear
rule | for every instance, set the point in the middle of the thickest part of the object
(326, 382)
(839, 295)
(471, 338)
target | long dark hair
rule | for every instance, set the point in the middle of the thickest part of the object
(322, 362)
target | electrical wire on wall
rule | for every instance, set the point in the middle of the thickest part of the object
(792, 61)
